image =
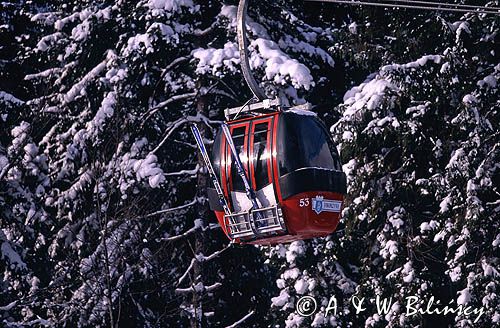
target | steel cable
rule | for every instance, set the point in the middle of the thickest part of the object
(478, 10)
(444, 4)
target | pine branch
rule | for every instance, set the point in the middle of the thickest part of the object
(198, 288)
(239, 322)
(184, 172)
(164, 103)
(169, 210)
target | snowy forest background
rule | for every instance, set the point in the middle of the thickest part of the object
(103, 215)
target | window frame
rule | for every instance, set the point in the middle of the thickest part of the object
(252, 160)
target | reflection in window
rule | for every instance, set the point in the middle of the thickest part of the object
(304, 143)
(238, 136)
(260, 155)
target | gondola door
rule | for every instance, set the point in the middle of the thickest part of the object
(252, 139)
(234, 185)
(261, 160)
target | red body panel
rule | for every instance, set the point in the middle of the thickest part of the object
(302, 222)
(274, 156)
(220, 218)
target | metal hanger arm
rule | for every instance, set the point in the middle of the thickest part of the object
(243, 49)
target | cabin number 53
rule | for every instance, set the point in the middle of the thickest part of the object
(303, 202)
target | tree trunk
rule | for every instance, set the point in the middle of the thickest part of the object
(202, 212)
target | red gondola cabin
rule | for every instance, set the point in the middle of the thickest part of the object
(294, 168)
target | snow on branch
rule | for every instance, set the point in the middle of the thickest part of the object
(414, 64)
(239, 322)
(191, 265)
(198, 288)
(4, 170)
(164, 103)
(167, 69)
(77, 88)
(173, 209)
(8, 252)
(197, 226)
(38, 323)
(7, 97)
(180, 122)
(43, 74)
(213, 287)
(46, 41)
(175, 62)
(176, 125)
(184, 172)
(8, 307)
(202, 258)
(220, 92)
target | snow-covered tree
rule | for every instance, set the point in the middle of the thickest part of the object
(104, 217)
(420, 145)
(103, 213)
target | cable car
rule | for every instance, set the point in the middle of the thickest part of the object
(275, 170)
(293, 165)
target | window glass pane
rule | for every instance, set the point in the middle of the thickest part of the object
(260, 155)
(304, 143)
(215, 156)
(238, 135)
